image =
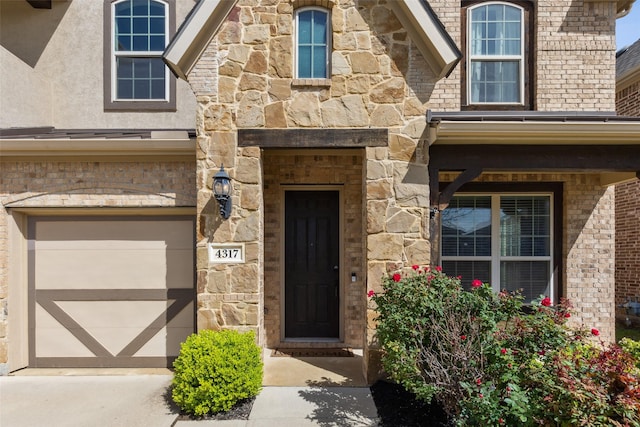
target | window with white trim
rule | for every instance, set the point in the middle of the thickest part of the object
(312, 43)
(502, 239)
(495, 54)
(139, 31)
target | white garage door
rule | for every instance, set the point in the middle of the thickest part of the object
(109, 292)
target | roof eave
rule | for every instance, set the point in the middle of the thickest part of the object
(534, 132)
(623, 8)
(428, 33)
(195, 34)
(173, 144)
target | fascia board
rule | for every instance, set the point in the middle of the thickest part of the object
(96, 147)
(628, 79)
(623, 8)
(195, 34)
(540, 133)
(433, 42)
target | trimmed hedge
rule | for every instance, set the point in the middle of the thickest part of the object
(215, 370)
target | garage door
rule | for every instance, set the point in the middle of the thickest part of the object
(109, 292)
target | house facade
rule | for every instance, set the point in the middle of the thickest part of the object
(97, 186)
(361, 138)
(627, 254)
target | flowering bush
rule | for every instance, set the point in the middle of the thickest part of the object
(490, 361)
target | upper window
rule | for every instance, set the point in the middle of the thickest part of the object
(502, 239)
(138, 78)
(312, 43)
(496, 51)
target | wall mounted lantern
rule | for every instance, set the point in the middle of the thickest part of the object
(222, 192)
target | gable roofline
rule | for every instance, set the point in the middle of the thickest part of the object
(628, 65)
(623, 7)
(194, 35)
(206, 18)
(429, 34)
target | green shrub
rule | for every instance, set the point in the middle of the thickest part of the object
(633, 348)
(489, 361)
(215, 370)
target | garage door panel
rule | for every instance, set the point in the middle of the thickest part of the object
(166, 341)
(184, 319)
(51, 336)
(180, 263)
(113, 315)
(84, 269)
(111, 292)
(115, 231)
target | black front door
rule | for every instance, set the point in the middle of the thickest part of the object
(311, 264)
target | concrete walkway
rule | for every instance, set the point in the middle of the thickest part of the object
(305, 406)
(140, 400)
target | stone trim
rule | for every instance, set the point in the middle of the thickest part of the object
(327, 4)
(311, 82)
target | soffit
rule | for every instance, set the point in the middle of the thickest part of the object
(563, 128)
(623, 7)
(206, 18)
(48, 141)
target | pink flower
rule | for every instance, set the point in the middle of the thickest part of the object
(438, 268)
(480, 395)
(397, 277)
(546, 301)
(459, 277)
(415, 267)
(503, 351)
(370, 293)
(500, 421)
(478, 381)
(567, 315)
(463, 337)
(476, 283)
(595, 332)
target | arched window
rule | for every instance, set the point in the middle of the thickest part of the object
(140, 31)
(497, 53)
(312, 43)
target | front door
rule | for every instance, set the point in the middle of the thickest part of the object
(312, 273)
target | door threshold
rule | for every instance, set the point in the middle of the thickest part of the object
(311, 340)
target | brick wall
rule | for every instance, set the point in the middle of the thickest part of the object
(628, 213)
(628, 100)
(627, 241)
(588, 247)
(84, 184)
(344, 170)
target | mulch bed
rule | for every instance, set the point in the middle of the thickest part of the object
(397, 407)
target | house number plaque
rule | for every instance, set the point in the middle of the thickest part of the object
(225, 253)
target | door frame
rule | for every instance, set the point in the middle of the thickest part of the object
(341, 264)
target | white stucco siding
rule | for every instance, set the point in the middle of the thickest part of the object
(69, 64)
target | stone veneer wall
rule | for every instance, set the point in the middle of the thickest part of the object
(44, 183)
(588, 245)
(345, 169)
(378, 80)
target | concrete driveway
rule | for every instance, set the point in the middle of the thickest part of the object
(100, 401)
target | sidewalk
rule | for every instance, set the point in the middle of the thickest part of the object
(304, 406)
(141, 401)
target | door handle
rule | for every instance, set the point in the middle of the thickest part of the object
(336, 268)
